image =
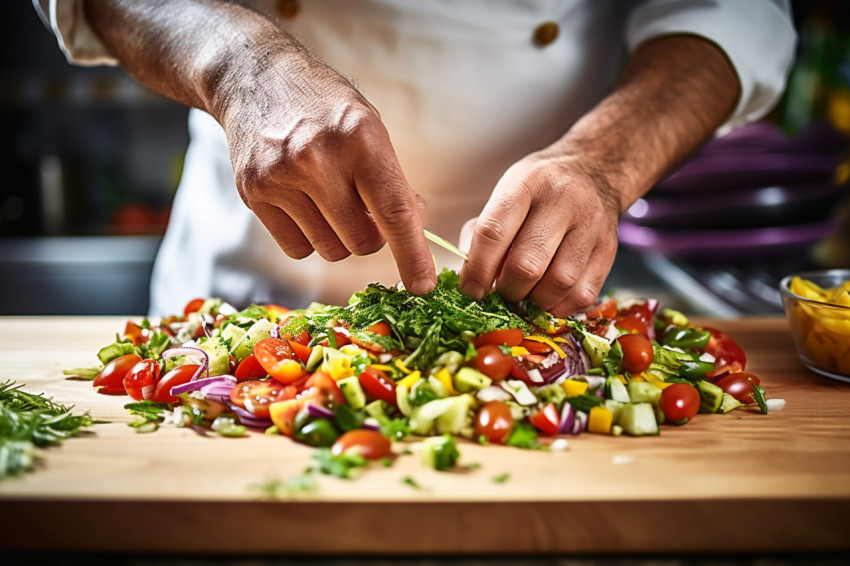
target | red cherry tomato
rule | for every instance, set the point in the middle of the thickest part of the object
(256, 396)
(283, 413)
(381, 328)
(322, 388)
(546, 420)
(638, 309)
(110, 380)
(633, 324)
(177, 376)
(378, 385)
(679, 403)
(739, 385)
(192, 306)
(637, 352)
(504, 337)
(370, 444)
(301, 351)
(605, 309)
(140, 381)
(725, 350)
(303, 338)
(494, 421)
(279, 361)
(535, 347)
(493, 363)
(249, 368)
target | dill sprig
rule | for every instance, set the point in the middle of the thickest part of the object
(28, 420)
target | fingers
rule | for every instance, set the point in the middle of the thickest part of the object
(303, 223)
(394, 206)
(284, 230)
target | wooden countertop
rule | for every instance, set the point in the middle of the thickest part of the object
(743, 482)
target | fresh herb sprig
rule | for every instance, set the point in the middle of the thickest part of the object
(28, 420)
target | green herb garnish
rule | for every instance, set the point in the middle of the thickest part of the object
(758, 396)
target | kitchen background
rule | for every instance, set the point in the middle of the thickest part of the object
(91, 159)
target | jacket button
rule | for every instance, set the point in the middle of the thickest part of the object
(546, 33)
(287, 9)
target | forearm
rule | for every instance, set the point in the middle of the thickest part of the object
(673, 93)
(198, 52)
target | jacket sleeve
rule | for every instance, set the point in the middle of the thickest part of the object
(757, 36)
(76, 38)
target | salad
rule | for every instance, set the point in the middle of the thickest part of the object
(390, 364)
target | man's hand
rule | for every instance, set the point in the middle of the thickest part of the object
(549, 233)
(311, 157)
(549, 230)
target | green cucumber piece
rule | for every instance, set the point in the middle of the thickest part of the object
(729, 403)
(258, 331)
(638, 419)
(115, 350)
(353, 392)
(644, 392)
(467, 379)
(710, 395)
(439, 452)
(616, 390)
(219, 356)
(596, 347)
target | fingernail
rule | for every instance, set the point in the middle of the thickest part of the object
(471, 289)
(422, 286)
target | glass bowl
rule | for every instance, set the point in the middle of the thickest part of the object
(819, 319)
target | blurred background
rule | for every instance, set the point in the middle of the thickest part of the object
(91, 160)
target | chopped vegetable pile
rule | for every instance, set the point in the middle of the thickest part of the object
(351, 379)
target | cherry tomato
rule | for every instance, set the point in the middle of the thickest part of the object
(633, 324)
(341, 340)
(535, 347)
(110, 380)
(283, 413)
(256, 396)
(192, 306)
(739, 385)
(546, 420)
(177, 376)
(140, 381)
(493, 363)
(637, 352)
(725, 350)
(303, 338)
(322, 388)
(494, 421)
(639, 310)
(679, 402)
(504, 337)
(381, 328)
(249, 368)
(370, 444)
(279, 361)
(301, 351)
(604, 309)
(378, 385)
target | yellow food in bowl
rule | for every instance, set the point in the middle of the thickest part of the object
(822, 329)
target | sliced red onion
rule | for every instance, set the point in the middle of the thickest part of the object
(275, 331)
(218, 390)
(535, 376)
(148, 391)
(319, 412)
(247, 418)
(371, 424)
(568, 417)
(203, 368)
(580, 423)
(716, 377)
(200, 383)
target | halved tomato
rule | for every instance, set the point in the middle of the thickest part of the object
(256, 396)
(249, 368)
(725, 350)
(279, 360)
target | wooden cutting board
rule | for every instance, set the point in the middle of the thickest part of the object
(723, 483)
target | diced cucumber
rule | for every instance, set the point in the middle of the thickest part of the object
(729, 403)
(115, 350)
(638, 419)
(402, 399)
(317, 356)
(437, 387)
(596, 347)
(258, 331)
(219, 355)
(467, 379)
(457, 415)
(616, 390)
(419, 425)
(353, 392)
(710, 395)
(439, 452)
(211, 306)
(233, 333)
(376, 409)
(644, 392)
(616, 407)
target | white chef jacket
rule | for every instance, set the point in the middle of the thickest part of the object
(464, 92)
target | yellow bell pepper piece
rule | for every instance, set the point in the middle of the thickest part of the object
(659, 383)
(444, 376)
(574, 387)
(600, 420)
(518, 351)
(549, 342)
(400, 365)
(338, 367)
(410, 379)
(382, 367)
